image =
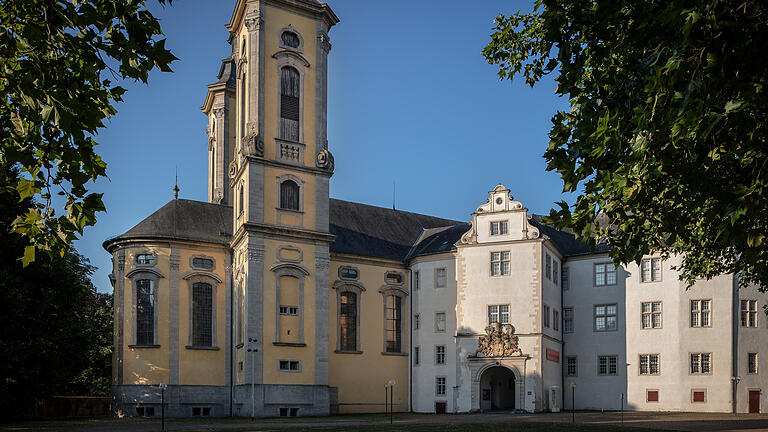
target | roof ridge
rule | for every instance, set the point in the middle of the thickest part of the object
(400, 211)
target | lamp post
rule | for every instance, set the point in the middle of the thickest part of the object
(573, 401)
(251, 343)
(162, 386)
(391, 386)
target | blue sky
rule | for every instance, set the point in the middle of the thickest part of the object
(411, 101)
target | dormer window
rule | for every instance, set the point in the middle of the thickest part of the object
(348, 273)
(394, 278)
(290, 39)
(203, 263)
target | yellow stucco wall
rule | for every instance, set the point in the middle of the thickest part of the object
(271, 353)
(360, 378)
(275, 19)
(271, 197)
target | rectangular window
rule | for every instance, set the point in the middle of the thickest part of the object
(700, 313)
(417, 321)
(440, 386)
(749, 313)
(567, 320)
(499, 228)
(440, 354)
(290, 310)
(500, 263)
(555, 320)
(571, 366)
(649, 364)
(545, 316)
(289, 365)
(752, 363)
(548, 266)
(440, 278)
(394, 315)
(555, 271)
(607, 365)
(348, 321)
(498, 313)
(605, 274)
(699, 396)
(440, 321)
(202, 314)
(416, 355)
(145, 312)
(701, 363)
(651, 315)
(651, 270)
(416, 280)
(605, 317)
(652, 396)
(564, 278)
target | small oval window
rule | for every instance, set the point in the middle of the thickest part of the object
(145, 259)
(348, 273)
(290, 39)
(205, 263)
(394, 277)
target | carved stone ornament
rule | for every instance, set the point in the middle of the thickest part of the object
(499, 341)
(532, 232)
(325, 42)
(469, 237)
(325, 160)
(253, 145)
(232, 169)
(253, 22)
(255, 254)
(218, 195)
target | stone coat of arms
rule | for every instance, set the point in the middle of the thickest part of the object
(499, 340)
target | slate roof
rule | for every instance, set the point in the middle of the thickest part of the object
(360, 229)
(182, 219)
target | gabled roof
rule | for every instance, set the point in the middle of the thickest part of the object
(566, 241)
(361, 229)
(182, 219)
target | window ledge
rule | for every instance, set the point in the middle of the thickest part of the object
(289, 210)
(394, 353)
(143, 346)
(289, 344)
(347, 352)
(209, 348)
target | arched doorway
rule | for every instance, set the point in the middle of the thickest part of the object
(497, 389)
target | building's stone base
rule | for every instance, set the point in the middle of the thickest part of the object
(180, 401)
(274, 400)
(278, 400)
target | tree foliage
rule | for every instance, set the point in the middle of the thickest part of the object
(665, 138)
(55, 330)
(60, 64)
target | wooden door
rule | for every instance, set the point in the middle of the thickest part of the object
(754, 401)
(440, 407)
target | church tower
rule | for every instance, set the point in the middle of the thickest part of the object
(270, 161)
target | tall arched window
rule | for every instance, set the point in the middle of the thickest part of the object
(289, 195)
(393, 309)
(202, 315)
(348, 321)
(289, 103)
(145, 312)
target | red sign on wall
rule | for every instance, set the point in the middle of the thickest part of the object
(553, 355)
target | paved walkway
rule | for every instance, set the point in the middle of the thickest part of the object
(696, 422)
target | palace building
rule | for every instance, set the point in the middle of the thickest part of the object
(272, 299)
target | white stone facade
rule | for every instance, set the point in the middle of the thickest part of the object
(630, 337)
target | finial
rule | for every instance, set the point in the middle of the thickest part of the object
(176, 186)
(393, 195)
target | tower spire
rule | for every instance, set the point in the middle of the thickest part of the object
(176, 185)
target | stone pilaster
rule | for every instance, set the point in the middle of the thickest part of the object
(173, 315)
(254, 301)
(322, 286)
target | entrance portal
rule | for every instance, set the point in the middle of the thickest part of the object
(497, 389)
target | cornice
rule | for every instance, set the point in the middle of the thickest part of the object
(278, 231)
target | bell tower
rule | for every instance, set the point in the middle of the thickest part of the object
(278, 175)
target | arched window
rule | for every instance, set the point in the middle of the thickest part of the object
(289, 195)
(145, 312)
(348, 321)
(202, 314)
(240, 201)
(290, 83)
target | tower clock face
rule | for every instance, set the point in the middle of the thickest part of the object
(499, 200)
